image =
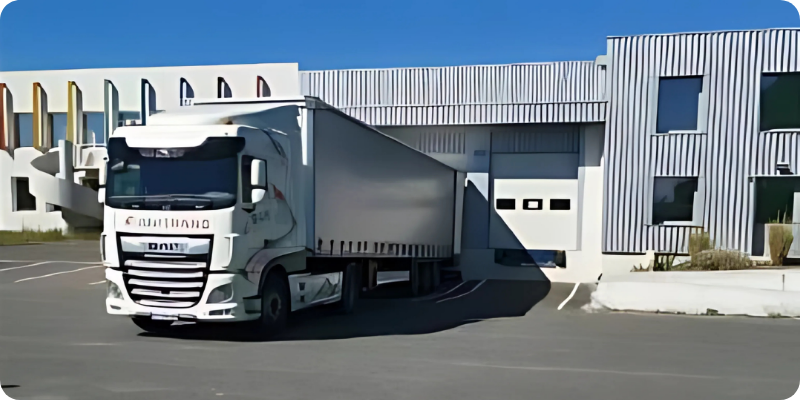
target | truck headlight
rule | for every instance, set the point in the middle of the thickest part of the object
(113, 291)
(221, 294)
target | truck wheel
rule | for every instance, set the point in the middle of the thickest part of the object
(352, 288)
(152, 326)
(274, 306)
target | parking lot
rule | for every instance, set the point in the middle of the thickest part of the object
(487, 340)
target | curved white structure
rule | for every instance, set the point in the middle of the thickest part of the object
(46, 190)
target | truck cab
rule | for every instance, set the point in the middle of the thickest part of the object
(186, 208)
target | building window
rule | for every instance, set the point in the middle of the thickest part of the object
(25, 126)
(534, 204)
(680, 105)
(23, 199)
(93, 127)
(559, 204)
(674, 201)
(506, 204)
(780, 101)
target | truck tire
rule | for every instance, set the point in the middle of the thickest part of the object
(351, 289)
(152, 326)
(275, 306)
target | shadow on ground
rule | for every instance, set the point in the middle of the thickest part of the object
(391, 311)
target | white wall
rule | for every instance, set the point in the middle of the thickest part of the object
(586, 264)
(283, 80)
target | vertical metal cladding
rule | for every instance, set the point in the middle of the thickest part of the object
(732, 150)
(536, 139)
(516, 93)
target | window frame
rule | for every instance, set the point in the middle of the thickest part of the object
(698, 203)
(245, 187)
(512, 202)
(527, 202)
(16, 182)
(761, 104)
(702, 106)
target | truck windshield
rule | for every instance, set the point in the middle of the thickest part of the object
(196, 178)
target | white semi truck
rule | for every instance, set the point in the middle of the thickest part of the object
(237, 210)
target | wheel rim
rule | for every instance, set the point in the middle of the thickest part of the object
(273, 306)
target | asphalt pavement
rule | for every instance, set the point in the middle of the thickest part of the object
(477, 340)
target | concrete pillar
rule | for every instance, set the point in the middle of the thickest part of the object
(187, 93)
(148, 101)
(110, 110)
(74, 114)
(262, 88)
(9, 131)
(42, 126)
(65, 160)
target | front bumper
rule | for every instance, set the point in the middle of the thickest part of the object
(241, 308)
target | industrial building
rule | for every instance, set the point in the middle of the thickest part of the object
(579, 168)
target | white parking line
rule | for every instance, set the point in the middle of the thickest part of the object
(25, 266)
(63, 262)
(57, 273)
(575, 289)
(97, 283)
(464, 294)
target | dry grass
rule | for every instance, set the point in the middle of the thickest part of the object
(8, 238)
(716, 260)
(699, 242)
(780, 241)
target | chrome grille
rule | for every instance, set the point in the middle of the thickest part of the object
(158, 279)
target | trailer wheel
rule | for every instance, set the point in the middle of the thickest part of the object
(152, 326)
(352, 288)
(274, 306)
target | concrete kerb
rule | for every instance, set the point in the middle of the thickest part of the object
(774, 293)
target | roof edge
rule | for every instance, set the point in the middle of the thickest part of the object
(702, 32)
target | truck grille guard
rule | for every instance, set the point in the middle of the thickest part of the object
(156, 279)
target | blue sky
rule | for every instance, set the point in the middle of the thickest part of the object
(60, 34)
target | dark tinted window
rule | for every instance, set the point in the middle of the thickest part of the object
(780, 101)
(25, 201)
(559, 204)
(202, 177)
(247, 188)
(678, 103)
(673, 199)
(506, 204)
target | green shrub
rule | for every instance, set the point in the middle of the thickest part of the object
(780, 240)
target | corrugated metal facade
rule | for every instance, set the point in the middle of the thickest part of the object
(732, 150)
(495, 94)
(536, 139)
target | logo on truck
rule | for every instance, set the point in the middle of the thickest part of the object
(173, 247)
(168, 223)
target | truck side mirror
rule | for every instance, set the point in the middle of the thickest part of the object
(258, 180)
(257, 195)
(258, 174)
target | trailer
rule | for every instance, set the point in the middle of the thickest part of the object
(248, 210)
